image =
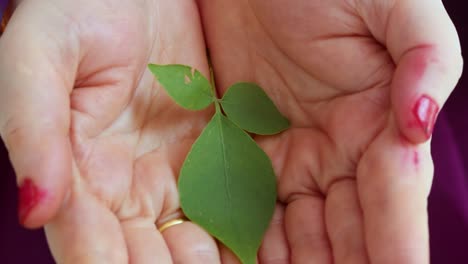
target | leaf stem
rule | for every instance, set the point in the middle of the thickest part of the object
(213, 90)
(213, 84)
(218, 106)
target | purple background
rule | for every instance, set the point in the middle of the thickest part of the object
(448, 202)
(3, 4)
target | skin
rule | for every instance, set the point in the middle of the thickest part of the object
(84, 120)
(354, 171)
(96, 133)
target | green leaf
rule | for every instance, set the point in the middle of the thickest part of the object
(187, 86)
(228, 187)
(247, 105)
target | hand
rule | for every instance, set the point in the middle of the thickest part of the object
(95, 142)
(361, 82)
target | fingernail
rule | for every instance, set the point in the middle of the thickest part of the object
(425, 111)
(29, 197)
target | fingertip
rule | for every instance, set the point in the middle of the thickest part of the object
(422, 83)
(425, 112)
(29, 197)
(43, 176)
(418, 121)
(37, 204)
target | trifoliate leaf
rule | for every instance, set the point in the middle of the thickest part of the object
(187, 86)
(248, 106)
(228, 187)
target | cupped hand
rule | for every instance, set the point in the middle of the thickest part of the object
(362, 82)
(95, 142)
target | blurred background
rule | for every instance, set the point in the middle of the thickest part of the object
(448, 202)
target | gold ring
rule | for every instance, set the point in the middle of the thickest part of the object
(172, 223)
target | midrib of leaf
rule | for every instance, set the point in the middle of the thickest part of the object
(219, 114)
(223, 149)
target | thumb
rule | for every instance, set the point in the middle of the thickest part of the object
(424, 44)
(34, 111)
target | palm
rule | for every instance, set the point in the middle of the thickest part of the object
(128, 138)
(126, 157)
(331, 78)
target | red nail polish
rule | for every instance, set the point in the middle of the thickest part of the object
(425, 111)
(29, 197)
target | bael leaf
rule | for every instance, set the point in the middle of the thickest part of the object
(227, 184)
(228, 187)
(187, 86)
(248, 106)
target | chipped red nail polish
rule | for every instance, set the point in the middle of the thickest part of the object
(416, 158)
(29, 196)
(425, 110)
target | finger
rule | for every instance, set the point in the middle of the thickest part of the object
(394, 179)
(423, 43)
(144, 243)
(306, 231)
(345, 225)
(34, 109)
(85, 231)
(190, 244)
(275, 248)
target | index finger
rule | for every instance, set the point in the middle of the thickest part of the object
(394, 178)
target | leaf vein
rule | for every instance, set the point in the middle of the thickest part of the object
(226, 174)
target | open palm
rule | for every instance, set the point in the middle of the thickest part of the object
(352, 77)
(96, 134)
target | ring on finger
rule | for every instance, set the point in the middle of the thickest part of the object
(171, 223)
